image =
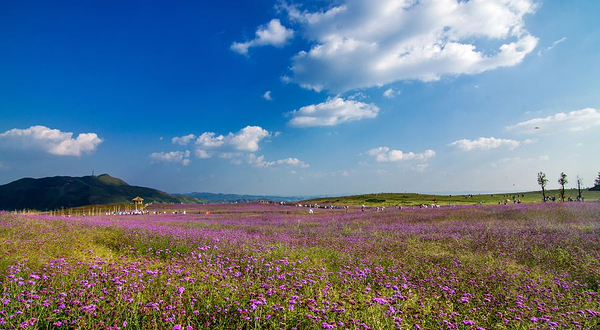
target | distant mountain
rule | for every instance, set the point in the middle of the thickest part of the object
(230, 198)
(65, 191)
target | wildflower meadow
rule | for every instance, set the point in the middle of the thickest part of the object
(257, 266)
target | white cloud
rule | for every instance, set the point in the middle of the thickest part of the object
(292, 162)
(365, 43)
(210, 140)
(202, 154)
(573, 121)
(259, 161)
(232, 145)
(390, 93)
(236, 147)
(486, 144)
(357, 96)
(183, 140)
(172, 157)
(267, 96)
(385, 155)
(52, 141)
(332, 112)
(246, 139)
(554, 44)
(273, 34)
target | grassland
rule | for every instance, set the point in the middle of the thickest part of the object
(409, 199)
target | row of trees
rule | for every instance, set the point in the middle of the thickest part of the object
(562, 181)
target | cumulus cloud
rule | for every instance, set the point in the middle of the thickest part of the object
(183, 140)
(267, 96)
(332, 112)
(386, 155)
(182, 157)
(210, 140)
(246, 139)
(487, 144)
(259, 161)
(365, 43)
(273, 34)
(52, 141)
(238, 148)
(573, 121)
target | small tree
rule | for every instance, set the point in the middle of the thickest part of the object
(579, 183)
(542, 181)
(562, 181)
(597, 182)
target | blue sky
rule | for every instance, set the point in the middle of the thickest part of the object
(316, 97)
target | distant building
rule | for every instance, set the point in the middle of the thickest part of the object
(138, 201)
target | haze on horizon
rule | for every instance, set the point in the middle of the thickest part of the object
(277, 97)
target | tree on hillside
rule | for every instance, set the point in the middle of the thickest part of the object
(562, 181)
(542, 181)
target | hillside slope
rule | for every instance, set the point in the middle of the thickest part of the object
(65, 191)
(389, 199)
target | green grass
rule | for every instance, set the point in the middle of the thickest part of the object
(411, 199)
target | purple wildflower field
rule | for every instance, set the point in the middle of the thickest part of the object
(255, 266)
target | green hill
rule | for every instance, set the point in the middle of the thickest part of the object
(390, 199)
(65, 192)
